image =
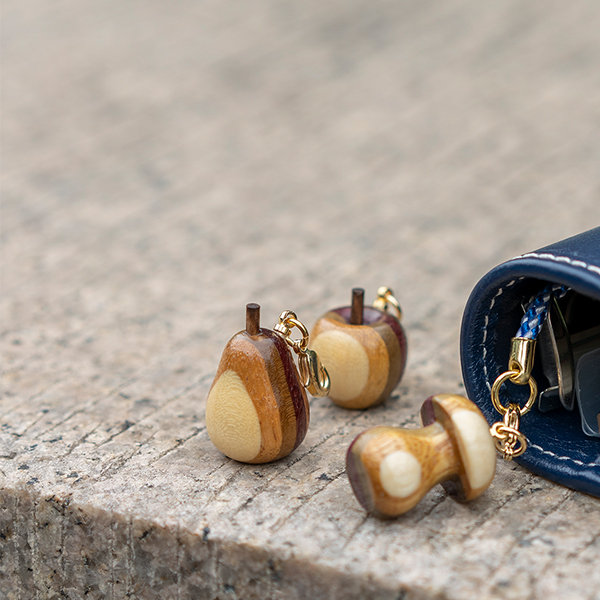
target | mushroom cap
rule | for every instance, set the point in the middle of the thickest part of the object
(469, 432)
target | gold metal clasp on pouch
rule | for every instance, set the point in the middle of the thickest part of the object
(510, 442)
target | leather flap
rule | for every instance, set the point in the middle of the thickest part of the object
(558, 449)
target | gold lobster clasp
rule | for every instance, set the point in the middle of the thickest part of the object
(387, 302)
(314, 375)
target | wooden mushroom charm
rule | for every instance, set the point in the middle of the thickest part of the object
(391, 469)
(257, 410)
(363, 349)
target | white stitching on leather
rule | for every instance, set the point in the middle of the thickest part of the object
(544, 256)
(485, 326)
(486, 322)
(557, 456)
(548, 256)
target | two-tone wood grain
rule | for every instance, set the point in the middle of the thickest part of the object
(364, 351)
(391, 469)
(257, 410)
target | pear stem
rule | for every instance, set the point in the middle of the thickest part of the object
(253, 318)
(358, 302)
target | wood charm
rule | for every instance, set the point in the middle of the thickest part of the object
(257, 410)
(391, 469)
(364, 351)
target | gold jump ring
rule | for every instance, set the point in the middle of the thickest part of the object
(512, 376)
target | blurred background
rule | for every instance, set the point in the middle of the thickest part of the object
(165, 163)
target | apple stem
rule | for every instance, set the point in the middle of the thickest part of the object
(358, 302)
(253, 318)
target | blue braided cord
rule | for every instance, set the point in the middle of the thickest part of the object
(537, 311)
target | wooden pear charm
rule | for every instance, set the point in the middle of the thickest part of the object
(257, 410)
(364, 350)
(391, 469)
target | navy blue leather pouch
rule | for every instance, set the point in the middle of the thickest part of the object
(560, 447)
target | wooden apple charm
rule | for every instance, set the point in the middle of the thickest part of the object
(363, 349)
(257, 410)
(391, 469)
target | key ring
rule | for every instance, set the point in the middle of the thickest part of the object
(287, 321)
(512, 376)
